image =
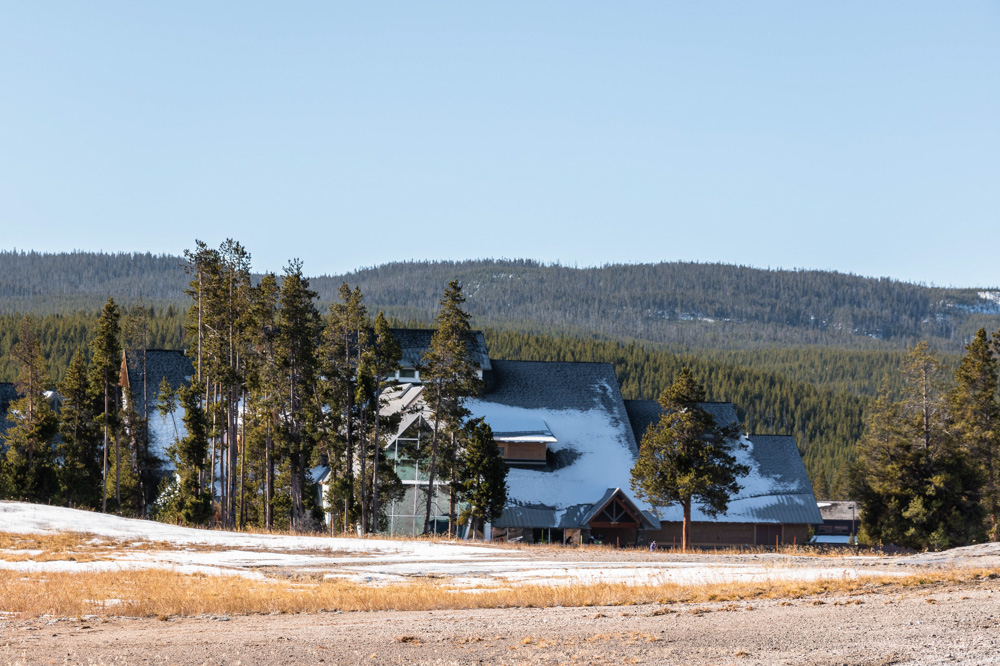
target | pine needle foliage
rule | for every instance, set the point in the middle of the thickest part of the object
(686, 458)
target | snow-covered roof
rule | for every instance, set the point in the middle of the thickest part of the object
(838, 509)
(833, 538)
(178, 370)
(519, 428)
(581, 406)
(171, 364)
(776, 489)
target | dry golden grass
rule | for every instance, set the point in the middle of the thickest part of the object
(164, 593)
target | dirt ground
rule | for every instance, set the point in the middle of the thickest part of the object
(927, 625)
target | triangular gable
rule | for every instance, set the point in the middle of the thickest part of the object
(615, 507)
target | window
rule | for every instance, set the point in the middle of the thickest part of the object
(407, 373)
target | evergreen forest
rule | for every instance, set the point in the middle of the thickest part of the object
(807, 353)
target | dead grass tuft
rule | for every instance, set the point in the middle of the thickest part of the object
(408, 639)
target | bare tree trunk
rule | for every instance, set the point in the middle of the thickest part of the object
(433, 463)
(211, 462)
(104, 478)
(452, 518)
(686, 526)
(118, 467)
(378, 447)
(243, 461)
(268, 478)
(362, 462)
(349, 495)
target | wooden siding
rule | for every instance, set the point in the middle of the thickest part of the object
(523, 450)
(704, 534)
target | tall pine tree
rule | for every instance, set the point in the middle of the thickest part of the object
(29, 460)
(483, 476)
(449, 376)
(105, 368)
(686, 457)
(975, 420)
(80, 477)
(915, 485)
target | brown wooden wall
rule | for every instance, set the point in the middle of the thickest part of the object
(723, 534)
(523, 450)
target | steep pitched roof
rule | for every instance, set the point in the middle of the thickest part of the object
(644, 413)
(415, 341)
(178, 370)
(171, 364)
(580, 404)
(777, 488)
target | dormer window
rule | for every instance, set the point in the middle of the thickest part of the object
(408, 375)
(523, 440)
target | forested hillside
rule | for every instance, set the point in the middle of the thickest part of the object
(683, 305)
(687, 304)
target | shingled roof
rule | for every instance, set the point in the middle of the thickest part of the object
(178, 369)
(644, 413)
(777, 488)
(171, 364)
(415, 341)
(581, 406)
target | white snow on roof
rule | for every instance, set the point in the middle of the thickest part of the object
(603, 457)
(757, 493)
(519, 428)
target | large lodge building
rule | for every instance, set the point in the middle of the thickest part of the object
(570, 441)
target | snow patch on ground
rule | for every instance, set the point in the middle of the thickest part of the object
(385, 562)
(35, 518)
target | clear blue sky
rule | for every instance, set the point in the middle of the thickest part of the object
(856, 136)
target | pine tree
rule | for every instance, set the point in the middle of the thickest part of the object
(80, 438)
(265, 385)
(345, 339)
(298, 336)
(194, 505)
(29, 460)
(915, 486)
(379, 363)
(106, 355)
(483, 476)
(686, 457)
(449, 377)
(135, 336)
(975, 415)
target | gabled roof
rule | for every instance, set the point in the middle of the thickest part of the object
(171, 364)
(777, 488)
(644, 413)
(580, 404)
(577, 516)
(414, 342)
(613, 494)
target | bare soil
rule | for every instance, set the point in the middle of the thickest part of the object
(938, 623)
